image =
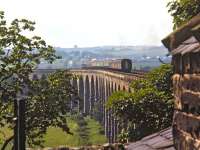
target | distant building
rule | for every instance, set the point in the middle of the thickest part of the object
(184, 45)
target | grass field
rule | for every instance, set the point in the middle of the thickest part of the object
(56, 137)
(4, 134)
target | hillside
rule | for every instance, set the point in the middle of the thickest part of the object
(116, 51)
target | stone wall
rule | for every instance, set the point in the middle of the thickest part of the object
(186, 83)
(184, 46)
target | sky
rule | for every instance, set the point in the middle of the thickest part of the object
(88, 23)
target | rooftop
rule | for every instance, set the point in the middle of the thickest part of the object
(182, 34)
(162, 140)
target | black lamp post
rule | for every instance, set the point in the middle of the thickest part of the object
(19, 129)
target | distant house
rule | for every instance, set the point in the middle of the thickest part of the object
(184, 46)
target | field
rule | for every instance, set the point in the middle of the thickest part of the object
(56, 137)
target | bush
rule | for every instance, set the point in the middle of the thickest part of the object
(149, 108)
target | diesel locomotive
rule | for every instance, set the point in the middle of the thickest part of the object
(124, 65)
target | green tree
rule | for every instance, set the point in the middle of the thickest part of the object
(152, 111)
(159, 78)
(149, 108)
(183, 10)
(48, 104)
(20, 53)
(122, 103)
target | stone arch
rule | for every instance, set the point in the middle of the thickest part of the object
(112, 87)
(111, 117)
(101, 83)
(97, 89)
(35, 77)
(124, 88)
(108, 88)
(81, 93)
(115, 86)
(43, 76)
(73, 103)
(92, 93)
(74, 83)
(87, 95)
(119, 87)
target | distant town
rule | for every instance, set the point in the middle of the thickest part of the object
(143, 57)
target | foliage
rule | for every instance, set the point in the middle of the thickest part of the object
(5, 133)
(122, 103)
(183, 10)
(48, 104)
(152, 112)
(159, 78)
(55, 136)
(123, 136)
(148, 108)
(46, 100)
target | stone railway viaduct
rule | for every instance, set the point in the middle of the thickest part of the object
(94, 86)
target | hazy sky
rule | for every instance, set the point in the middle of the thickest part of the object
(66, 23)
